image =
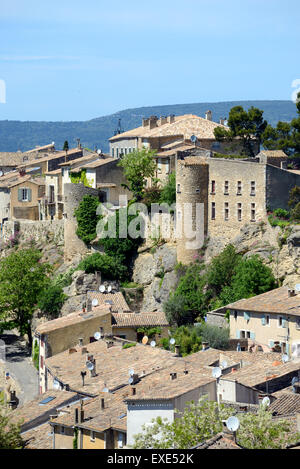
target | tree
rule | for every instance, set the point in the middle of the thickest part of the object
(248, 126)
(195, 425)
(222, 268)
(168, 191)
(201, 421)
(87, 218)
(285, 136)
(261, 431)
(66, 146)
(138, 166)
(10, 437)
(112, 268)
(22, 278)
(51, 299)
(294, 197)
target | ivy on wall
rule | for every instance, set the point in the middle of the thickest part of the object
(80, 178)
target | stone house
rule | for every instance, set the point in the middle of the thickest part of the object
(24, 198)
(168, 135)
(230, 192)
(270, 320)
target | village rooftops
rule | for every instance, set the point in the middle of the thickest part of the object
(39, 437)
(113, 363)
(113, 414)
(50, 147)
(182, 126)
(79, 161)
(71, 319)
(38, 410)
(274, 301)
(115, 301)
(50, 156)
(96, 164)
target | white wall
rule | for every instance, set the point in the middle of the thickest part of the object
(143, 412)
(4, 201)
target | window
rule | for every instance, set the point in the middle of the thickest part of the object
(281, 321)
(159, 165)
(235, 314)
(120, 440)
(92, 436)
(178, 188)
(245, 334)
(239, 212)
(117, 150)
(226, 187)
(24, 195)
(213, 210)
(62, 430)
(226, 211)
(252, 192)
(239, 188)
(113, 152)
(253, 212)
(213, 187)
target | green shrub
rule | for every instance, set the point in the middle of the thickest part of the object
(87, 218)
(282, 213)
(112, 268)
(51, 300)
(129, 345)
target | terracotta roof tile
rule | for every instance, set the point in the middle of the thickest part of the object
(139, 319)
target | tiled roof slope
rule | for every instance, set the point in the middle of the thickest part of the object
(186, 126)
(139, 319)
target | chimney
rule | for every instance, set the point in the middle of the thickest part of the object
(173, 376)
(162, 120)
(152, 122)
(291, 292)
(76, 417)
(205, 345)
(84, 350)
(222, 121)
(177, 351)
(145, 122)
(208, 115)
(171, 118)
(88, 305)
(83, 375)
(67, 387)
(81, 413)
(133, 391)
(80, 341)
(102, 403)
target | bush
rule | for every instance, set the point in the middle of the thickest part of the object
(216, 337)
(295, 213)
(282, 213)
(112, 268)
(129, 345)
(51, 300)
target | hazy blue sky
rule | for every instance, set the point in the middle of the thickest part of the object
(76, 60)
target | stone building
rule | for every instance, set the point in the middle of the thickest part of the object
(233, 192)
(168, 135)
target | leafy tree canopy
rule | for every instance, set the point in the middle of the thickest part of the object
(138, 166)
(87, 218)
(22, 278)
(10, 437)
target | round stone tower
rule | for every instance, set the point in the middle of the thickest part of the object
(192, 183)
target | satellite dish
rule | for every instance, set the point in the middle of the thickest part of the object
(295, 380)
(1, 173)
(97, 335)
(95, 302)
(194, 139)
(130, 381)
(145, 340)
(224, 364)
(99, 151)
(297, 287)
(131, 372)
(105, 389)
(266, 401)
(285, 358)
(56, 384)
(102, 288)
(90, 365)
(109, 288)
(153, 343)
(216, 372)
(232, 423)
(172, 341)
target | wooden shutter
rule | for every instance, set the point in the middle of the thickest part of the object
(20, 195)
(29, 191)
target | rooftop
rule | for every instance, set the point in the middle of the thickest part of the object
(115, 300)
(274, 301)
(112, 365)
(50, 156)
(139, 319)
(185, 126)
(274, 153)
(73, 318)
(39, 437)
(285, 404)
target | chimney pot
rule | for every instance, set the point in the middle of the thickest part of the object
(133, 391)
(177, 350)
(173, 376)
(102, 403)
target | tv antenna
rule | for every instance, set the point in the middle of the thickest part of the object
(105, 389)
(194, 139)
(232, 423)
(119, 129)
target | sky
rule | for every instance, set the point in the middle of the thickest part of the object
(76, 60)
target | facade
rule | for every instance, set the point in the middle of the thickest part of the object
(24, 197)
(270, 320)
(233, 192)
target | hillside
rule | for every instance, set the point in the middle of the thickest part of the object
(19, 135)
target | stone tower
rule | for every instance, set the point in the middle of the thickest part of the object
(192, 181)
(73, 194)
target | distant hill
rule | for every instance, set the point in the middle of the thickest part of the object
(19, 135)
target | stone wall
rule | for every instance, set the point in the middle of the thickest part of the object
(39, 230)
(279, 183)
